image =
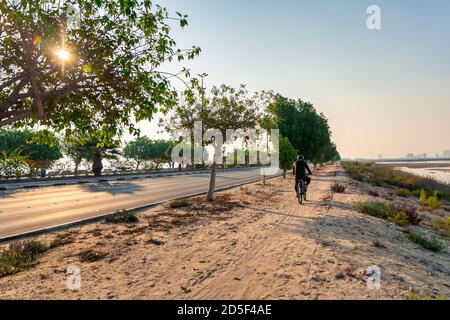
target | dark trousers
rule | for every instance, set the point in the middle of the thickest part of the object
(305, 178)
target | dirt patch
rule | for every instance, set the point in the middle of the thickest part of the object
(252, 242)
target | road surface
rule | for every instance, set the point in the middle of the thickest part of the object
(27, 211)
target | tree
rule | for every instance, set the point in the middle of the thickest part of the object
(101, 72)
(287, 155)
(331, 153)
(12, 163)
(226, 108)
(144, 149)
(41, 148)
(307, 130)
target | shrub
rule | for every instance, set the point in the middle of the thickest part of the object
(90, 255)
(179, 203)
(400, 218)
(409, 210)
(373, 193)
(423, 197)
(20, 255)
(432, 244)
(376, 209)
(400, 192)
(433, 201)
(339, 188)
(441, 225)
(128, 217)
(421, 296)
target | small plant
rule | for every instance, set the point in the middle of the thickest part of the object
(400, 192)
(339, 188)
(423, 199)
(90, 255)
(433, 201)
(179, 203)
(376, 209)
(20, 255)
(373, 193)
(60, 240)
(128, 217)
(421, 296)
(441, 225)
(400, 218)
(432, 244)
(409, 210)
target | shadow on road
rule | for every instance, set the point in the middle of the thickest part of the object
(113, 189)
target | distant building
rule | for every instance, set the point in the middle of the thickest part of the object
(410, 156)
(425, 156)
(446, 154)
(380, 156)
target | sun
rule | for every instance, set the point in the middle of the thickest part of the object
(63, 54)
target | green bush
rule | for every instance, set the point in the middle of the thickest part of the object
(441, 225)
(421, 296)
(20, 255)
(432, 244)
(400, 213)
(400, 218)
(376, 209)
(423, 198)
(433, 201)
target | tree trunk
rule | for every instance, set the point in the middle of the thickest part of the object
(284, 174)
(212, 182)
(97, 166)
(77, 164)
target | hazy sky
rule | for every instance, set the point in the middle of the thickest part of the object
(384, 92)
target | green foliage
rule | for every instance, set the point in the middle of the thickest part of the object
(400, 218)
(441, 225)
(378, 209)
(421, 296)
(433, 201)
(400, 192)
(306, 129)
(432, 244)
(423, 198)
(112, 73)
(400, 213)
(287, 154)
(144, 149)
(37, 145)
(20, 255)
(12, 164)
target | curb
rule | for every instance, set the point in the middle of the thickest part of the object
(98, 218)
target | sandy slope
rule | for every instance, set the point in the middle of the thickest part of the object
(255, 242)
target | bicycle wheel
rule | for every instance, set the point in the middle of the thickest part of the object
(299, 193)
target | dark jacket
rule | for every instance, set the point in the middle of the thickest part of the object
(299, 169)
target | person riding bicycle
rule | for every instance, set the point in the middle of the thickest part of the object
(299, 171)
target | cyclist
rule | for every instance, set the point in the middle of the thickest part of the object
(299, 171)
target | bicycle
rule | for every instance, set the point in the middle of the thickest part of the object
(301, 191)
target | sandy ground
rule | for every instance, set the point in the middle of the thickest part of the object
(254, 242)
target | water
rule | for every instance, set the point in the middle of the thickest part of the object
(433, 173)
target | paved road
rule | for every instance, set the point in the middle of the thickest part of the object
(30, 210)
